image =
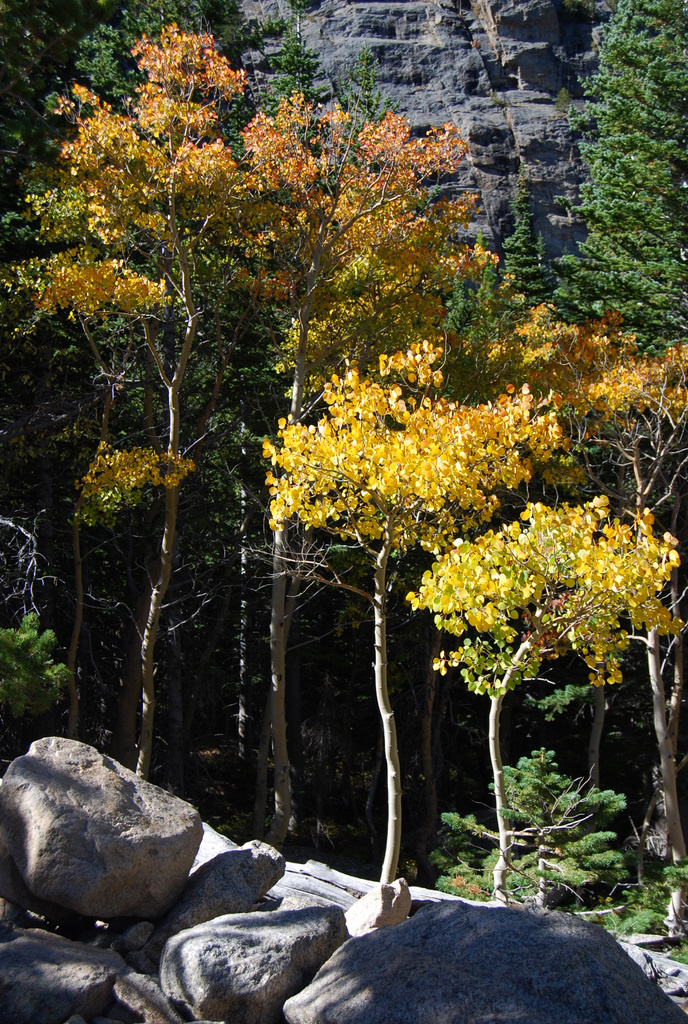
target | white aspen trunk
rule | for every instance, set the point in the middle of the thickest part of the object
(667, 761)
(164, 568)
(279, 614)
(150, 633)
(541, 900)
(503, 866)
(678, 661)
(389, 730)
(278, 658)
(283, 607)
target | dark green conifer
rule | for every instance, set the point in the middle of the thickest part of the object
(562, 842)
(525, 252)
(36, 41)
(29, 679)
(635, 259)
(359, 93)
(297, 65)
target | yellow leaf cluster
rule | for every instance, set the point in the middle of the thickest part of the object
(116, 478)
(135, 192)
(387, 453)
(599, 371)
(361, 246)
(72, 279)
(555, 580)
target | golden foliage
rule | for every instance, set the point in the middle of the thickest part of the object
(556, 580)
(134, 190)
(599, 370)
(115, 479)
(344, 218)
(397, 453)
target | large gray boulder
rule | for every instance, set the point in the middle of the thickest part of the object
(230, 883)
(241, 968)
(45, 978)
(458, 964)
(90, 836)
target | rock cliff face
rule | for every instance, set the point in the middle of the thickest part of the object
(500, 70)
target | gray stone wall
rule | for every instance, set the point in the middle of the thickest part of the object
(495, 68)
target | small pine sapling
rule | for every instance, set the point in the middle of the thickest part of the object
(561, 843)
(29, 678)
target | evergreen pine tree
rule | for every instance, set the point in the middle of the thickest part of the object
(29, 679)
(297, 65)
(525, 252)
(359, 93)
(561, 835)
(105, 62)
(565, 822)
(635, 259)
(37, 40)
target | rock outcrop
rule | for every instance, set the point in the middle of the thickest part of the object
(86, 834)
(243, 967)
(459, 964)
(244, 940)
(45, 978)
(230, 883)
(503, 71)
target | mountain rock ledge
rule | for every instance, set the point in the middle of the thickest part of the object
(503, 71)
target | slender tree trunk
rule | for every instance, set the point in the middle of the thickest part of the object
(667, 761)
(503, 865)
(541, 900)
(163, 573)
(150, 634)
(175, 690)
(678, 663)
(389, 729)
(282, 613)
(426, 875)
(123, 744)
(370, 798)
(596, 735)
(283, 598)
(261, 797)
(278, 660)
